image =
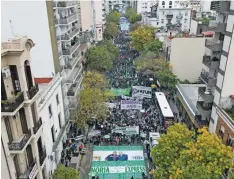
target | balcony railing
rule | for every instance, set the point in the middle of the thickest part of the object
(67, 20)
(19, 145)
(210, 81)
(72, 61)
(30, 170)
(70, 50)
(205, 110)
(74, 87)
(206, 95)
(12, 104)
(74, 75)
(220, 6)
(169, 16)
(214, 45)
(72, 104)
(67, 4)
(69, 35)
(218, 27)
(212, 63)
(42, 155)
(33, 91)
(37, 126)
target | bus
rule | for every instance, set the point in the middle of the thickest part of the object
(167, 116)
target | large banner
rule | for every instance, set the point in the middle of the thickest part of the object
(119, 92)
(117, 162)
(131, 104)
(141, 91)
(129, 130)
(111, 105)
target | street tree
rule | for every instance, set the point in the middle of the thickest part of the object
(132, 15)
(113, 16)
(153, 46)
(111, 30)
(181, 154)
(63, 172)
(93, 79)
(134, 26)
(112, 49)
(141, 36)
(168, 149)
(98, 58)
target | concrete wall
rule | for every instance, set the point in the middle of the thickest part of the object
(186, 57)
(30, 18)
(4, 166)
(193, 27)
(86, 15)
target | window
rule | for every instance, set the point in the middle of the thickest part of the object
(8, 128)
(163, 3)
(229, 141)
(221, 131)
(52, 134)
(170, 3)
(57, 99)
(157, 23)
(162, 21)
(163, 13)
(186, 14)
(50, 111)
(170, 6)
(185, 20)
(59, 120)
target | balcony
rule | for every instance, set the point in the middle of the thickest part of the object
(31, 171)
(218, 27)
(42, 155)
(12, 104)
(169, 16)
(205, 95)
(66, 4)
(72, 61)
(37, 126)
(72, 104)
(220, 6)
(211, 63)
(206, 111)
(214, 45)
(72, 91)
(74, 75)
(69, 19)
(69, 50)
(19, 144)
(169, 24)
(210, 81)
(32, 92)
(70, 34)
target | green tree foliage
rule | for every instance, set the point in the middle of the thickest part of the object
(98, 58)
(111, 30)
(180, 156)
(63, 172)
(134, 26)
(141, 36)
(132, 15)
(113, 16)
(112, 49)
(153, 46)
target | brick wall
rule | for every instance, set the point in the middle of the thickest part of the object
(227, 131)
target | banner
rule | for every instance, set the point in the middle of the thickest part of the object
(119, 92)
(129, 130)
(126, 97)
(131, 104)
(141, 91)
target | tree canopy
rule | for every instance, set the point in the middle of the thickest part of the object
(181, 155)
(141, 36)
(112, 49)
(132, 15)
(63, 172)
(111, 30)
(113, 16)
(153, 46)
(98, 58)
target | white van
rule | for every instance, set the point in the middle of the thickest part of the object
(153, 138)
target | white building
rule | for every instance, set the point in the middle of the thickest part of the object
(55, 122)
(219, 58)
(168, 15)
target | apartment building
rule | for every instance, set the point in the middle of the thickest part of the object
(112, 4)
(61, 43)
(168, 15)
(23, 151)
(55, 122)
(219, 59)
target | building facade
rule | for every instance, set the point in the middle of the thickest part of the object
(21, 124)
(219, 59)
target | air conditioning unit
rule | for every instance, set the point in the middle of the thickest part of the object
(6, 73)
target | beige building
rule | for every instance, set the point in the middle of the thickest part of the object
(21, 128)
(185, 56)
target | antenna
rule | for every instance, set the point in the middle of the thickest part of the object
(12, 31)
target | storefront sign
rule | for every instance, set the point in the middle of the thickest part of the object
(141, 91)
(131, 104)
